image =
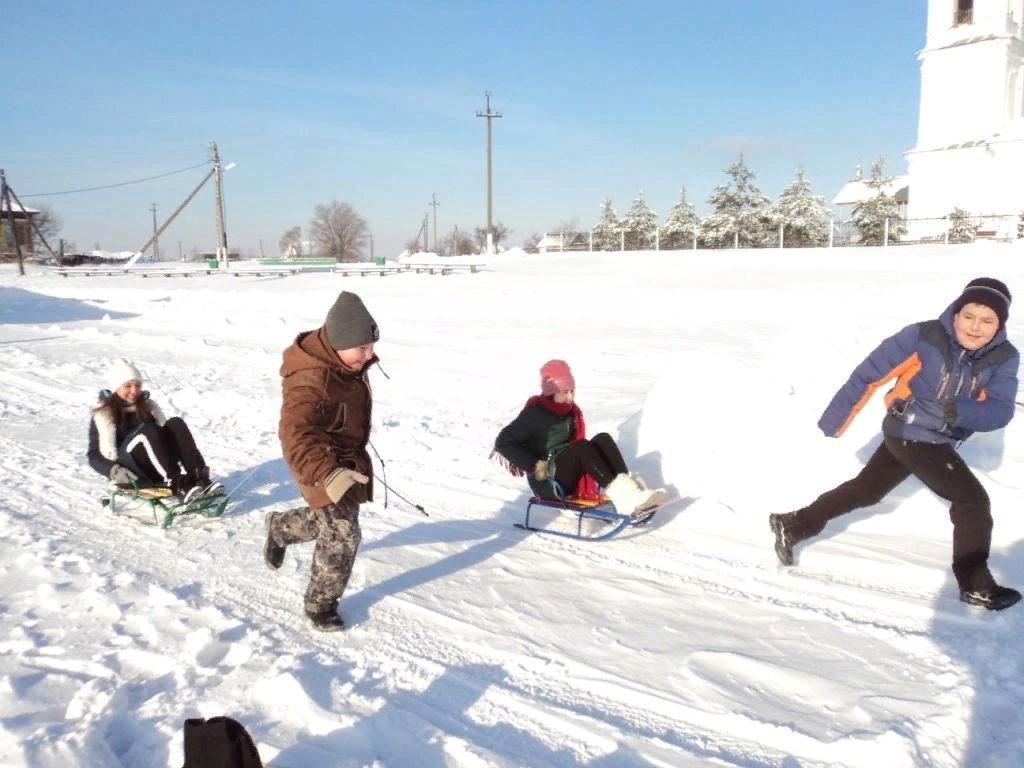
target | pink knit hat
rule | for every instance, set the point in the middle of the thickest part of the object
(555, 376)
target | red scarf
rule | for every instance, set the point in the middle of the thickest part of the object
(586, 488)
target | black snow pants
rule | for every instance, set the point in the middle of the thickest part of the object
(943, 472)
(598, 457)
(154, 453)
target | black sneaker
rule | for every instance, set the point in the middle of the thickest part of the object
(273, 553)
(783, 538)
(994, 598)
(327, 621)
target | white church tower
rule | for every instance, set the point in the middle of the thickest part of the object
(970, 136)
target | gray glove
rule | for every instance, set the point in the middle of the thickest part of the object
(340, 480)
(122, 475)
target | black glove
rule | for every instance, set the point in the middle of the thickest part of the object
(122, 475)
(949, 411)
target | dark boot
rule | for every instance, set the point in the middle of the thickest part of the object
(327, 621)
(981, 589)
(993, 598)
(273, 553)
(207, 487)
(785, 538)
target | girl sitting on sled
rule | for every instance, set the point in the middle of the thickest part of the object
(132, 442)
(547, 442)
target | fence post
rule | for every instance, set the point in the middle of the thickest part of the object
(885, 240)
(946, 219)
(781, 235)
(831, 232)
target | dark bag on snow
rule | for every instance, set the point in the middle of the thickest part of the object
(219, 742)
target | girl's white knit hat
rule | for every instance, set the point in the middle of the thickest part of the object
(120, 371)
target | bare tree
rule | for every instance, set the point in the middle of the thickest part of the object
(291, 241)
(501, 232)
(49, 223)
(530, 244)
(457, 243)
(338, 232)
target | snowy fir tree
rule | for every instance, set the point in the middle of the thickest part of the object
(639, 225)
(803, 216)
(869, 216)
(739, 211)
(606, 231)
(681, 224)
(962, 228)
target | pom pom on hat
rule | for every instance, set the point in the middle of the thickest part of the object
(555, 376)
(988, 291)
(120, 371)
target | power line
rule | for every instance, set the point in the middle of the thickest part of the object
(120, 184)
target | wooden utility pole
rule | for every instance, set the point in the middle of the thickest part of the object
(5, 202)
(426, 223)
(434, 203)
(490, 198)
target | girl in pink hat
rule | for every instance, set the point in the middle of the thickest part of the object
(547, 442)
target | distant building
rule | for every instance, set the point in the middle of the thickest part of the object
(857, 191)
(559, 242)
(22, 230)
(970, 138)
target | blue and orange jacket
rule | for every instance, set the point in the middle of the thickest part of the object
(929, 366)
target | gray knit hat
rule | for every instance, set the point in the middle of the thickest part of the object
(349, 324)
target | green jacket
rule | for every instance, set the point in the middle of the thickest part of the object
(536, 434)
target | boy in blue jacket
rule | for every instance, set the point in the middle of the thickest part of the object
(954, 376)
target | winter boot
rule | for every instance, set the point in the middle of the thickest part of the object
(273, 553)
(207, 487)
(326, 621)
(628, 497)
(982, 590)
(785, 540)
(994, 598)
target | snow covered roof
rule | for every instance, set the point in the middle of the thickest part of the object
(858, 191)
(16, 208)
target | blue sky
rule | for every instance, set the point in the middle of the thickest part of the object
(374, 104)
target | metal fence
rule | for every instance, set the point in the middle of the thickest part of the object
(948, 230)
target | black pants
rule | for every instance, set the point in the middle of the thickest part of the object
(943, 472)
(598, 457)
(154, 453)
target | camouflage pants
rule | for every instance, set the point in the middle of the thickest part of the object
(336, 530)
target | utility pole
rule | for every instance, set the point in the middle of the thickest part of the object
(222, 235)
(435, 204)
(372, 258)
(426, 222)
(156, 243)
(490, 199)
(181, 256)
(8, 208)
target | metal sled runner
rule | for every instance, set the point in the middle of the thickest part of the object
(597, 513)
(162, 504)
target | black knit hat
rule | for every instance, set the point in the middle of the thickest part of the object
(349, 324)
(988, 291)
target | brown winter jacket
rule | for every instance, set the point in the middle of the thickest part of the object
(325, 418)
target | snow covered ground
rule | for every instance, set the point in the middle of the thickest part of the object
(472, 644)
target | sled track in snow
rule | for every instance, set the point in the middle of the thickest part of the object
(578, 697)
